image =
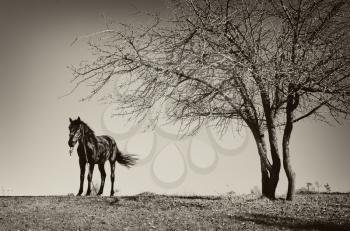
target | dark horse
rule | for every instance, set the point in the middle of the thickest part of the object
(95, 150)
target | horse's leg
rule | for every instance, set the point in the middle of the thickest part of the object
(101, 167)
(112, 177)
(91, 170)
(82, 176)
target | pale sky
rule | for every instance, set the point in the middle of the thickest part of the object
(34, 159)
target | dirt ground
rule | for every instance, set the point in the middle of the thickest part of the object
(148, 211)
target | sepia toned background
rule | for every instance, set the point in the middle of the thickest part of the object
(35, 51)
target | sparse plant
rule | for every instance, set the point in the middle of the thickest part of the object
(327, 187)
(255, 191)
(230, 195)
(6, 191)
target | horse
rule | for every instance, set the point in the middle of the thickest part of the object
(93, 150)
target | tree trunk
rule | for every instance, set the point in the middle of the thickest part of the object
(264, 180)
(287, 163)
(292, 103)
(269, 172)
(269, 181)
(276, 161)
(290, 175)
(271, 129)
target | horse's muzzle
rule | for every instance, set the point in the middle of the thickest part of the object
(71, 143)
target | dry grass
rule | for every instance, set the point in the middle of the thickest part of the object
(158, 212)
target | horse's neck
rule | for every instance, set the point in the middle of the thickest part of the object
(88, 137)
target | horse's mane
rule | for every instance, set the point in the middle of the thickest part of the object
(89, 132)
(87, 129)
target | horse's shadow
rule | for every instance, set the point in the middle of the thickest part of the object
(149, 196)
(114, 201)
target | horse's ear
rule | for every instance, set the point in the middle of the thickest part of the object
(78, 118)
(70, 120)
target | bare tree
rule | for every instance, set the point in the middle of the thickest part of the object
(308, 186)
(267, 64)
(317, 185)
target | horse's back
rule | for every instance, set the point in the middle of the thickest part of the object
(106, 146)
(109, 139)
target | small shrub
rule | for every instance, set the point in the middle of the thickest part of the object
(256, 191)
(229, 195)
(328, 188)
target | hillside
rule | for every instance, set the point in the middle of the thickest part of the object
(158, 212)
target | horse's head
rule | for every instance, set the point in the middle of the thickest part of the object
(75, 132)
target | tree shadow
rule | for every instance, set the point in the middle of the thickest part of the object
(290, 222)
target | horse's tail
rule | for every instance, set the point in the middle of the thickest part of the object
(127, 160)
